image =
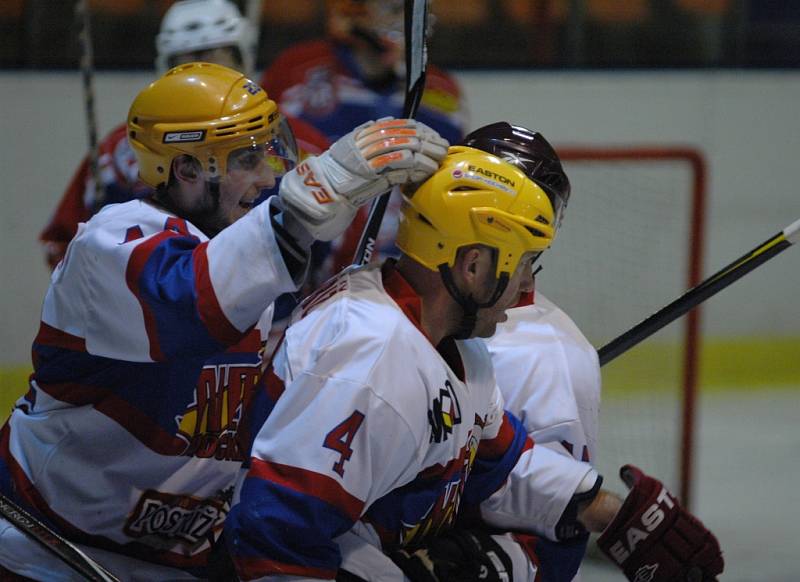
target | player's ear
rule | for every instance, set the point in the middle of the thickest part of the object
(185, 169)
(471, 265)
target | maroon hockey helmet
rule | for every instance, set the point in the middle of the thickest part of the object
(531, 153)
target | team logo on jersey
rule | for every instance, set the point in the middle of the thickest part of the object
(318, 92)
(161, 519)
(444, 413)
(442, 513)
(210, 423)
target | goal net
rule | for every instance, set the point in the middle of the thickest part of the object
(631, 242)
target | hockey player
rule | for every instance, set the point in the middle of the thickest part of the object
(549, 376)
(376, 435)
(212, 31)
(356, 73)
(126, 440)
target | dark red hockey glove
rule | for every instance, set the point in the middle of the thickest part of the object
(654, 539)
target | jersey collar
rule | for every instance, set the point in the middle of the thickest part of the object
(410, 304)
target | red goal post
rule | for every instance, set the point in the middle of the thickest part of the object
(631, 242)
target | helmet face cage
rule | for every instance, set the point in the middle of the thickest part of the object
(475, 198)
(279, 152)
(277, 149)
(192, 26)
(531, 153)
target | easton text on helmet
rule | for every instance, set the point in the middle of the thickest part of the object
(492, 175)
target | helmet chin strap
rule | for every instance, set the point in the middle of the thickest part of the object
(469, 307)
(206, 217)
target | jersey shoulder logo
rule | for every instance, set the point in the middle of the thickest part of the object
(444, 413)
(318, 95)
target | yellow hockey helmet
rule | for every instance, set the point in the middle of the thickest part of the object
(475, 198)
(211, 113)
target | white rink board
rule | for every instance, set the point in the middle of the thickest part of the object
(746, 122)
(746, 490)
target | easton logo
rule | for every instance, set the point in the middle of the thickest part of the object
(646, 573)
(177, 518)
(444, 414)
(184, 136)
(492, 175)
(318, 191)
(650, 520)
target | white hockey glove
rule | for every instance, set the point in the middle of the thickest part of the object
(323, 193)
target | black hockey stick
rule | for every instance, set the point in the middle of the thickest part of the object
(87, 79)
(39, 532)
(416, 22)
(700, 292)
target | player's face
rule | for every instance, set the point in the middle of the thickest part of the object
(520, 282)
(247, 175)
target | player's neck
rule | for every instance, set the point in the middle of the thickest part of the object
(439, 313)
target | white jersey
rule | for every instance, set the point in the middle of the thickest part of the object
(549, 375)
(126, 440)
(378, 433)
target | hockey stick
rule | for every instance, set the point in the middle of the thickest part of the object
(39, 532)
(87, 77)
(253, 14)
(700, 292)
(416, 22)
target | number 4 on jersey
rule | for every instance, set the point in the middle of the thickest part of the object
(340, 438)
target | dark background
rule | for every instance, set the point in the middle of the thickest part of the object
(496, 34)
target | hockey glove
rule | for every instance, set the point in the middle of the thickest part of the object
(323, 193)
(456, 556)
(653, 538)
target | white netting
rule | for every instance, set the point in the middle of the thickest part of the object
(622, 253)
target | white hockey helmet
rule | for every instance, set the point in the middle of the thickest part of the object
(197, 25)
